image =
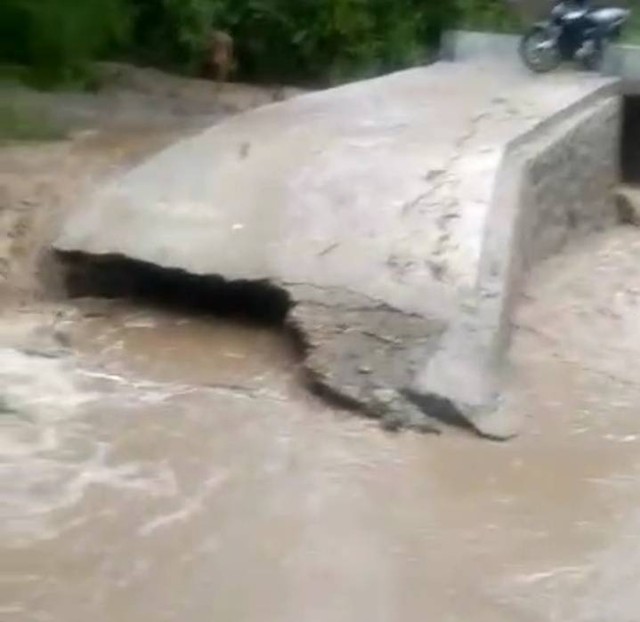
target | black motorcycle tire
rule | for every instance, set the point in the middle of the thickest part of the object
(551, 59)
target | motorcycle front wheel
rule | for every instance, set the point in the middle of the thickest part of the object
(539, 51)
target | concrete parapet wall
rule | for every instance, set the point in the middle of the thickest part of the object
(556, 184)
(568, 184)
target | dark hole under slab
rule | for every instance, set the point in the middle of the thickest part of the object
(255, 302)
(112, 276)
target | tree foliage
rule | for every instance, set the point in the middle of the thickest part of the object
(293, 40)
(58, 38)
(491, 15)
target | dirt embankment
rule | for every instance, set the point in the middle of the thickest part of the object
(136, 112)
(37, 184)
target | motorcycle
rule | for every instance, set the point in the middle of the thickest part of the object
(573, 32)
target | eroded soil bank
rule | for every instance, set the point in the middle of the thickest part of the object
(168, 464)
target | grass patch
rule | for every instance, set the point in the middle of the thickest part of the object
(12, 73)
(19, 122)
(631, 33)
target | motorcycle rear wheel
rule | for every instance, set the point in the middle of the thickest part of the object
(539, 51)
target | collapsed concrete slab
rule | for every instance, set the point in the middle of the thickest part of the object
(400, 215)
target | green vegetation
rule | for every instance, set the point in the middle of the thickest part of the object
(21, 123)
(333, 39)
(632, 32)
(58, 39)
(299, 40)
(488, 15)
(285, 40)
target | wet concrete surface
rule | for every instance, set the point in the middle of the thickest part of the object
(171, 467)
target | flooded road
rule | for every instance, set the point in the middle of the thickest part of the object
(171, 467)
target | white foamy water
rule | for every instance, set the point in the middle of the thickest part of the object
(37, 395)
(49, 457)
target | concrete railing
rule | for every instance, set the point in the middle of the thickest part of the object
(554, 185)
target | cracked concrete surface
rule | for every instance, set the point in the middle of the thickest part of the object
(376, 195)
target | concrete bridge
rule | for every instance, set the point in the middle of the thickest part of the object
(400, 215)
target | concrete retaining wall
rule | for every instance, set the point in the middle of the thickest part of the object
(556, 184)
(568, 185)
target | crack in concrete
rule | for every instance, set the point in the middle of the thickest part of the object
(338, 292)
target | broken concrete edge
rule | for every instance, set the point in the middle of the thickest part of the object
(314, 319)
(357, 352)
(531, 197)
(394, 410)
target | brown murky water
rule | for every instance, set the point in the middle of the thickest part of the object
(172, 468)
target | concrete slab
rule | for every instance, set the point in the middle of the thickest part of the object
(374, 198)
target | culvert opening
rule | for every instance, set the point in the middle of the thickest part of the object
(630, 140)
(111, 277)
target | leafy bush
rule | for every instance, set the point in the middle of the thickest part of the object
(59, 38)
(493, 15)
(301, 40)
(173, 33)
(293, 39)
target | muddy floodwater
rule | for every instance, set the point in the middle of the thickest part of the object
(163, 465)
(170, 466)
